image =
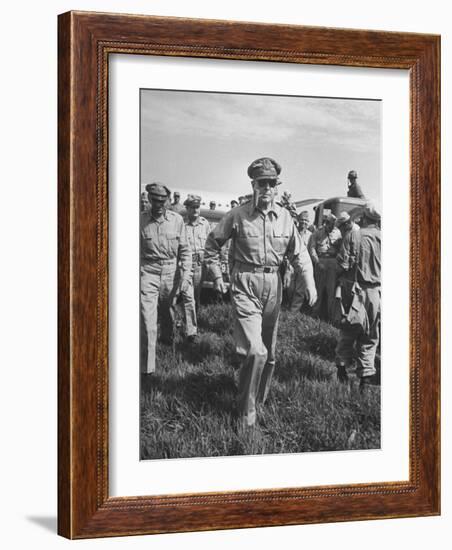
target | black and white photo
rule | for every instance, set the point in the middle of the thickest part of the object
(260, 274)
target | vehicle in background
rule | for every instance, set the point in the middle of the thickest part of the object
(334, 205)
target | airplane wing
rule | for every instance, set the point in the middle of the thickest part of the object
(306, 202)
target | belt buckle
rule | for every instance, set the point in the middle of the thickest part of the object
(267, 270)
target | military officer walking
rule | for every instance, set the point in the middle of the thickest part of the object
(163, 246)
(262, 233)
(197, 229)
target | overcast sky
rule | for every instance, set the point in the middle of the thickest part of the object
(204, 142)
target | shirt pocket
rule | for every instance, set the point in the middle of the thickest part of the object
(280, 240)
(147, 243)
(248, 230)
(172, 240)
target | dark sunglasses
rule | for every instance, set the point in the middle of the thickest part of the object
(264, 183)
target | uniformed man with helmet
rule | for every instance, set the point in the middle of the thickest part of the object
(197, 229)
(361, 296)
(163, 247)
(354, 189)
(262, 233)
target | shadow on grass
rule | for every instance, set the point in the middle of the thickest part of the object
(199, 391)
(293, 366)
(321, 344)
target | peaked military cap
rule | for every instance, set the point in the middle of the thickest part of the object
(158, 190)
(353, 174)
(193, 200)
(264, 168)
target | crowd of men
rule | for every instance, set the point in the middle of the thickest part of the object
(333, 270)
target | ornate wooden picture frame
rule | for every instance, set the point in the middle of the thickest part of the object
(86, 40)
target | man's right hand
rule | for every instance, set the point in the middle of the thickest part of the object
(220, 285)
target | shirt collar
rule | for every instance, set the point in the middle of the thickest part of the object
(275, 209)
(160, 220)
(198, 221)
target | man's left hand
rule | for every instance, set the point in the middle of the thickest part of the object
(311, 295)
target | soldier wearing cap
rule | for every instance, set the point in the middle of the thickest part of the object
(323, 248)
(176, 206)
(347, 250)
(345, 224)
(234, 203)
(144, 202)
(262, 233)
(197, 229)
(212, 205)
(163, 246)
(361, 295)
(354, 189)
(297, 290)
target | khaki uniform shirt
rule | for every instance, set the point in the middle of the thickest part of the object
(305, 236)
(324, 244)
(258, 239)
(164, 239)
(197, 232)
(360, 257)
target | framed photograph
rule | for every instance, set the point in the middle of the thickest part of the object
(248, 275)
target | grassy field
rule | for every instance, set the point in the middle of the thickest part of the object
(187, 407)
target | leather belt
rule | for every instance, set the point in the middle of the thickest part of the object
(158, 261)
(256, 268)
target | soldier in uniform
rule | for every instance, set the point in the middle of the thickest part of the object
(144, 202)
(345, 224)
(163, 246)
(197, 228)
(297, 290)
(361, 286)
(323, 248)
(234, 203)
(262, 233)
(176, 206)
(354, 189)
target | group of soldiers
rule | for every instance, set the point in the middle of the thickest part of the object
(263, 236)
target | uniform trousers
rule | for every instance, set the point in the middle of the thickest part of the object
(158, 287)
(191, 298)
(256, 301)
(325, 282)
(357, 343)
